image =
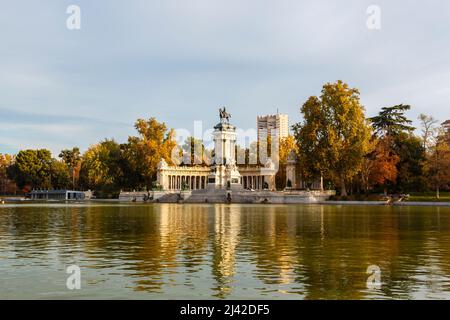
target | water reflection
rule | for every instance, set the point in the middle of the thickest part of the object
(224, 251)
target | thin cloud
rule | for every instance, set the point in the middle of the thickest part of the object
(179, 61)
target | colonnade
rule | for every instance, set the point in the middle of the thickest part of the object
(176, 182)
(254, 182)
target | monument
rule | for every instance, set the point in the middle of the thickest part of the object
(224, 171)
(223, 180)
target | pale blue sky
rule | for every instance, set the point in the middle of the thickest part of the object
(179, 61)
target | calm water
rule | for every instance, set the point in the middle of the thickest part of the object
(168, 251)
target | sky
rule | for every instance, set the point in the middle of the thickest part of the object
(179, 61)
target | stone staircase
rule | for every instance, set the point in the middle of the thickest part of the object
(168, 198)
(207, 196)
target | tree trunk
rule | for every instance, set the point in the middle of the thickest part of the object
(343, 189)
(73, 178)
(437, 192)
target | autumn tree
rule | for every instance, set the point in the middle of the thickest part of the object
(7, 186)
(437, 165)
(287, 145)
(154, 142)
(334, 136)
(383, 164)
(108, 167)
(311, 139)
(393, 125)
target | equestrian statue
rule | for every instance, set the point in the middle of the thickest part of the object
(224, 114)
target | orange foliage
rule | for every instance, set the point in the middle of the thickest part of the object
(384, 163)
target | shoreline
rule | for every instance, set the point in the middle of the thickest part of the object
(6, 201)
(394, 204)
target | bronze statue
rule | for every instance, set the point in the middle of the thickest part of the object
(224, 114)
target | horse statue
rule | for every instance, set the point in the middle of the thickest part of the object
(224, 114)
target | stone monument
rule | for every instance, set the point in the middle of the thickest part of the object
(224, 172)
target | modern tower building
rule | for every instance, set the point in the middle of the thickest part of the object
(269, 124)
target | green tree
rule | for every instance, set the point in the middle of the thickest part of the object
(193, 151)
(59, 175)
(72, 159)
(334, 136)
(32, 169)
(101, 168)
(409, 148)
(391, 121)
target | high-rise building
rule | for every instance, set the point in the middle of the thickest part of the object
(446, 126)
(266, 125)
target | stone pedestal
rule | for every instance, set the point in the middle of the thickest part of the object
(224, 173)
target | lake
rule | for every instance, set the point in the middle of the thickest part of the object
(206, 251)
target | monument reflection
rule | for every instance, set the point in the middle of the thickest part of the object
(229, 251)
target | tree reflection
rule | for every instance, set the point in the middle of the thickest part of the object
(234, 251)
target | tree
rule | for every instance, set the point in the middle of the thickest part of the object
(72, 158)
(392, 124)
(92, 170)
(286, 146)
(391, 121)
(155, 142)
(102, 168)
(311, 139)
(32, 169)
(334, 136)
(59, 175)
(437, 165)
(7, 186)
(252, 153)
(108, 167)
(428, 124)
(409, 149)
(193, 151)
(383, 164)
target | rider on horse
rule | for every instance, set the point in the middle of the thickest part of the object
(224, 114)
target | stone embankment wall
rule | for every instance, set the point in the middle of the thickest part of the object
(224, 196)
